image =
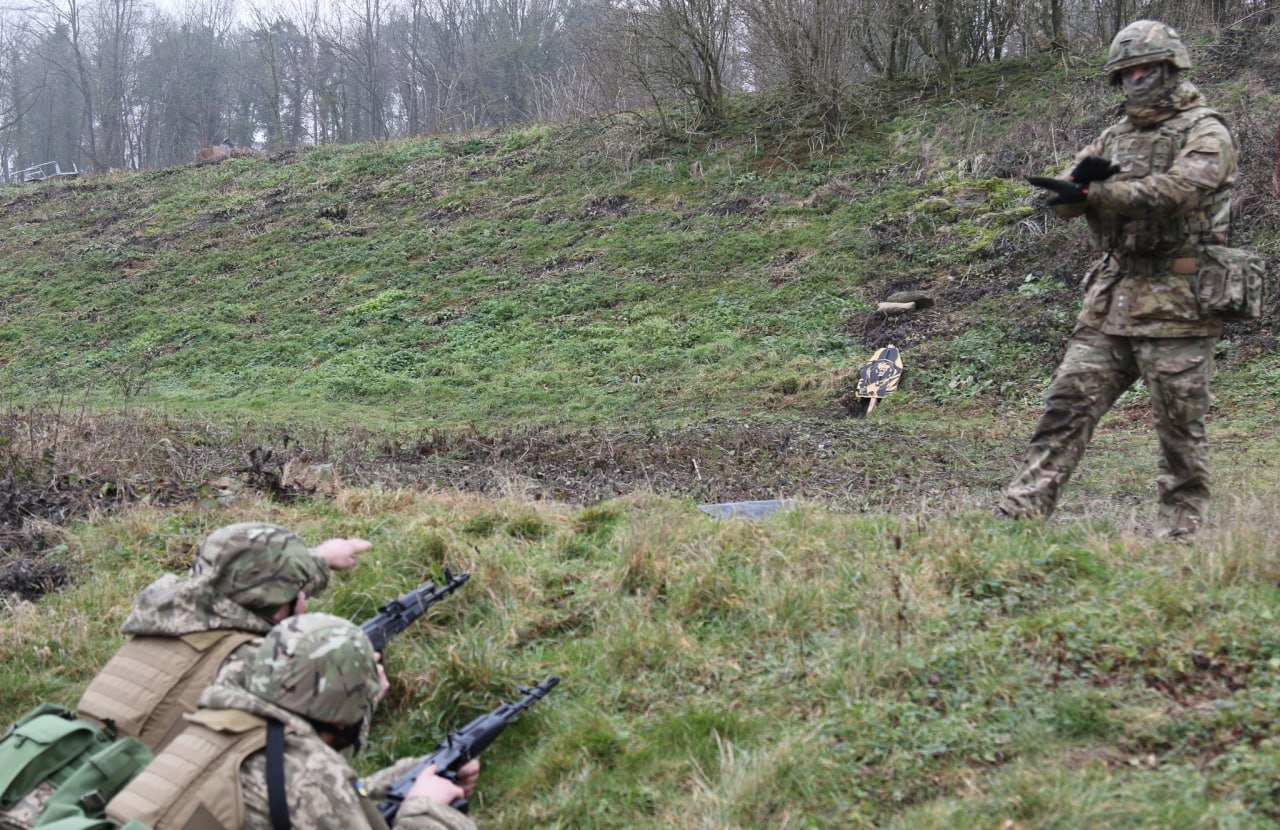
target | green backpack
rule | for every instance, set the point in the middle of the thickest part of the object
(59, 771)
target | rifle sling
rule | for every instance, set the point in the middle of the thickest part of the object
(277, 797)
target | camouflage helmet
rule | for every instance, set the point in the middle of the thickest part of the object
(318, 666)
(1142, 42)
(258, 565)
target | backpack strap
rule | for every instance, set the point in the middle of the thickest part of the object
(85, 794)
(277, 795)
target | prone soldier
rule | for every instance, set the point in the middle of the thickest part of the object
(264, 748)
(183, 632)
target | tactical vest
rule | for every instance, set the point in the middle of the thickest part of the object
(152, 682)
(195, 783)
(1142, 152)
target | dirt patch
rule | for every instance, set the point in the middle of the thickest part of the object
(737, 207)
(1208, 678)
(19, 504)
(902, 330)
(31, 579)
(832, 458)
(602, 207)
(855, 465)
(24, 513)
(29, 511)
(840, 461)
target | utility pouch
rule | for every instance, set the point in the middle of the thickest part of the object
(1231, 282)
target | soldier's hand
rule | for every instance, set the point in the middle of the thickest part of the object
(1068, 192)
(1094, 169)
(438, 789)
(468, 776)
(341, 553)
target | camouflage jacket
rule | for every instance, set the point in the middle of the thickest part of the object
(322, 785)
(173, 606)
(1150, 220)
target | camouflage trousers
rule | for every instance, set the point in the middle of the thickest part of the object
(1096, 370)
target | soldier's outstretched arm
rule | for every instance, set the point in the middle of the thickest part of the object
(322, 795)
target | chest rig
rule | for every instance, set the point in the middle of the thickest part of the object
(1144, 152)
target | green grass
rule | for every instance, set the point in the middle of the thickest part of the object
(817, 668)
(486, 280)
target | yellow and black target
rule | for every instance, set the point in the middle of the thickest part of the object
(880, 375)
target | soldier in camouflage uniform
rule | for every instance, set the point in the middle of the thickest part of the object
(1154, 188)
(246, 577)
(316, 674)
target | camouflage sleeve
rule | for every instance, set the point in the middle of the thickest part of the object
(379, 783)
(318, 582)
(322, 795)
(415, 813)
(235, 669)
(1207, 161)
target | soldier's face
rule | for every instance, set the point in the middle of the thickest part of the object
(1140, 81)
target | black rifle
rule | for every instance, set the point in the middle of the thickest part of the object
(399, 614)
(461, 746)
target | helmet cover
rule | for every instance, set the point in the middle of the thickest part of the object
(1143, 42)
(258, 565)
(318, 666)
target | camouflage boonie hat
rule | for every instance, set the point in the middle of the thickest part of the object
(318, 666)
(1142, 42)
(258, 565)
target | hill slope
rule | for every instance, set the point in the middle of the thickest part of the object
(534, 277)
(590, 311)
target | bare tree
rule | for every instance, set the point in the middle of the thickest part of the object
(355, 34)
(116, 25)
(882, 35)
(676, 48)
(189, 75)
(16, 97)
(805, 47)
(64, 52)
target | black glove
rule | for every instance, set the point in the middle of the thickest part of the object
(1094, 169)
(1069, 193)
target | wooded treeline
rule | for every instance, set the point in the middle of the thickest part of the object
(123, 84)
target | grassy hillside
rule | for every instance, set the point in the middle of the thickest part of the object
(579, 275)
(526, 354)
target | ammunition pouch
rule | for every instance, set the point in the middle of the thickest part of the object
(1231, 282)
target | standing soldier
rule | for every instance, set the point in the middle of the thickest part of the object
(1154, 188)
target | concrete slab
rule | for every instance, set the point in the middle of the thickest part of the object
(745, 509)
